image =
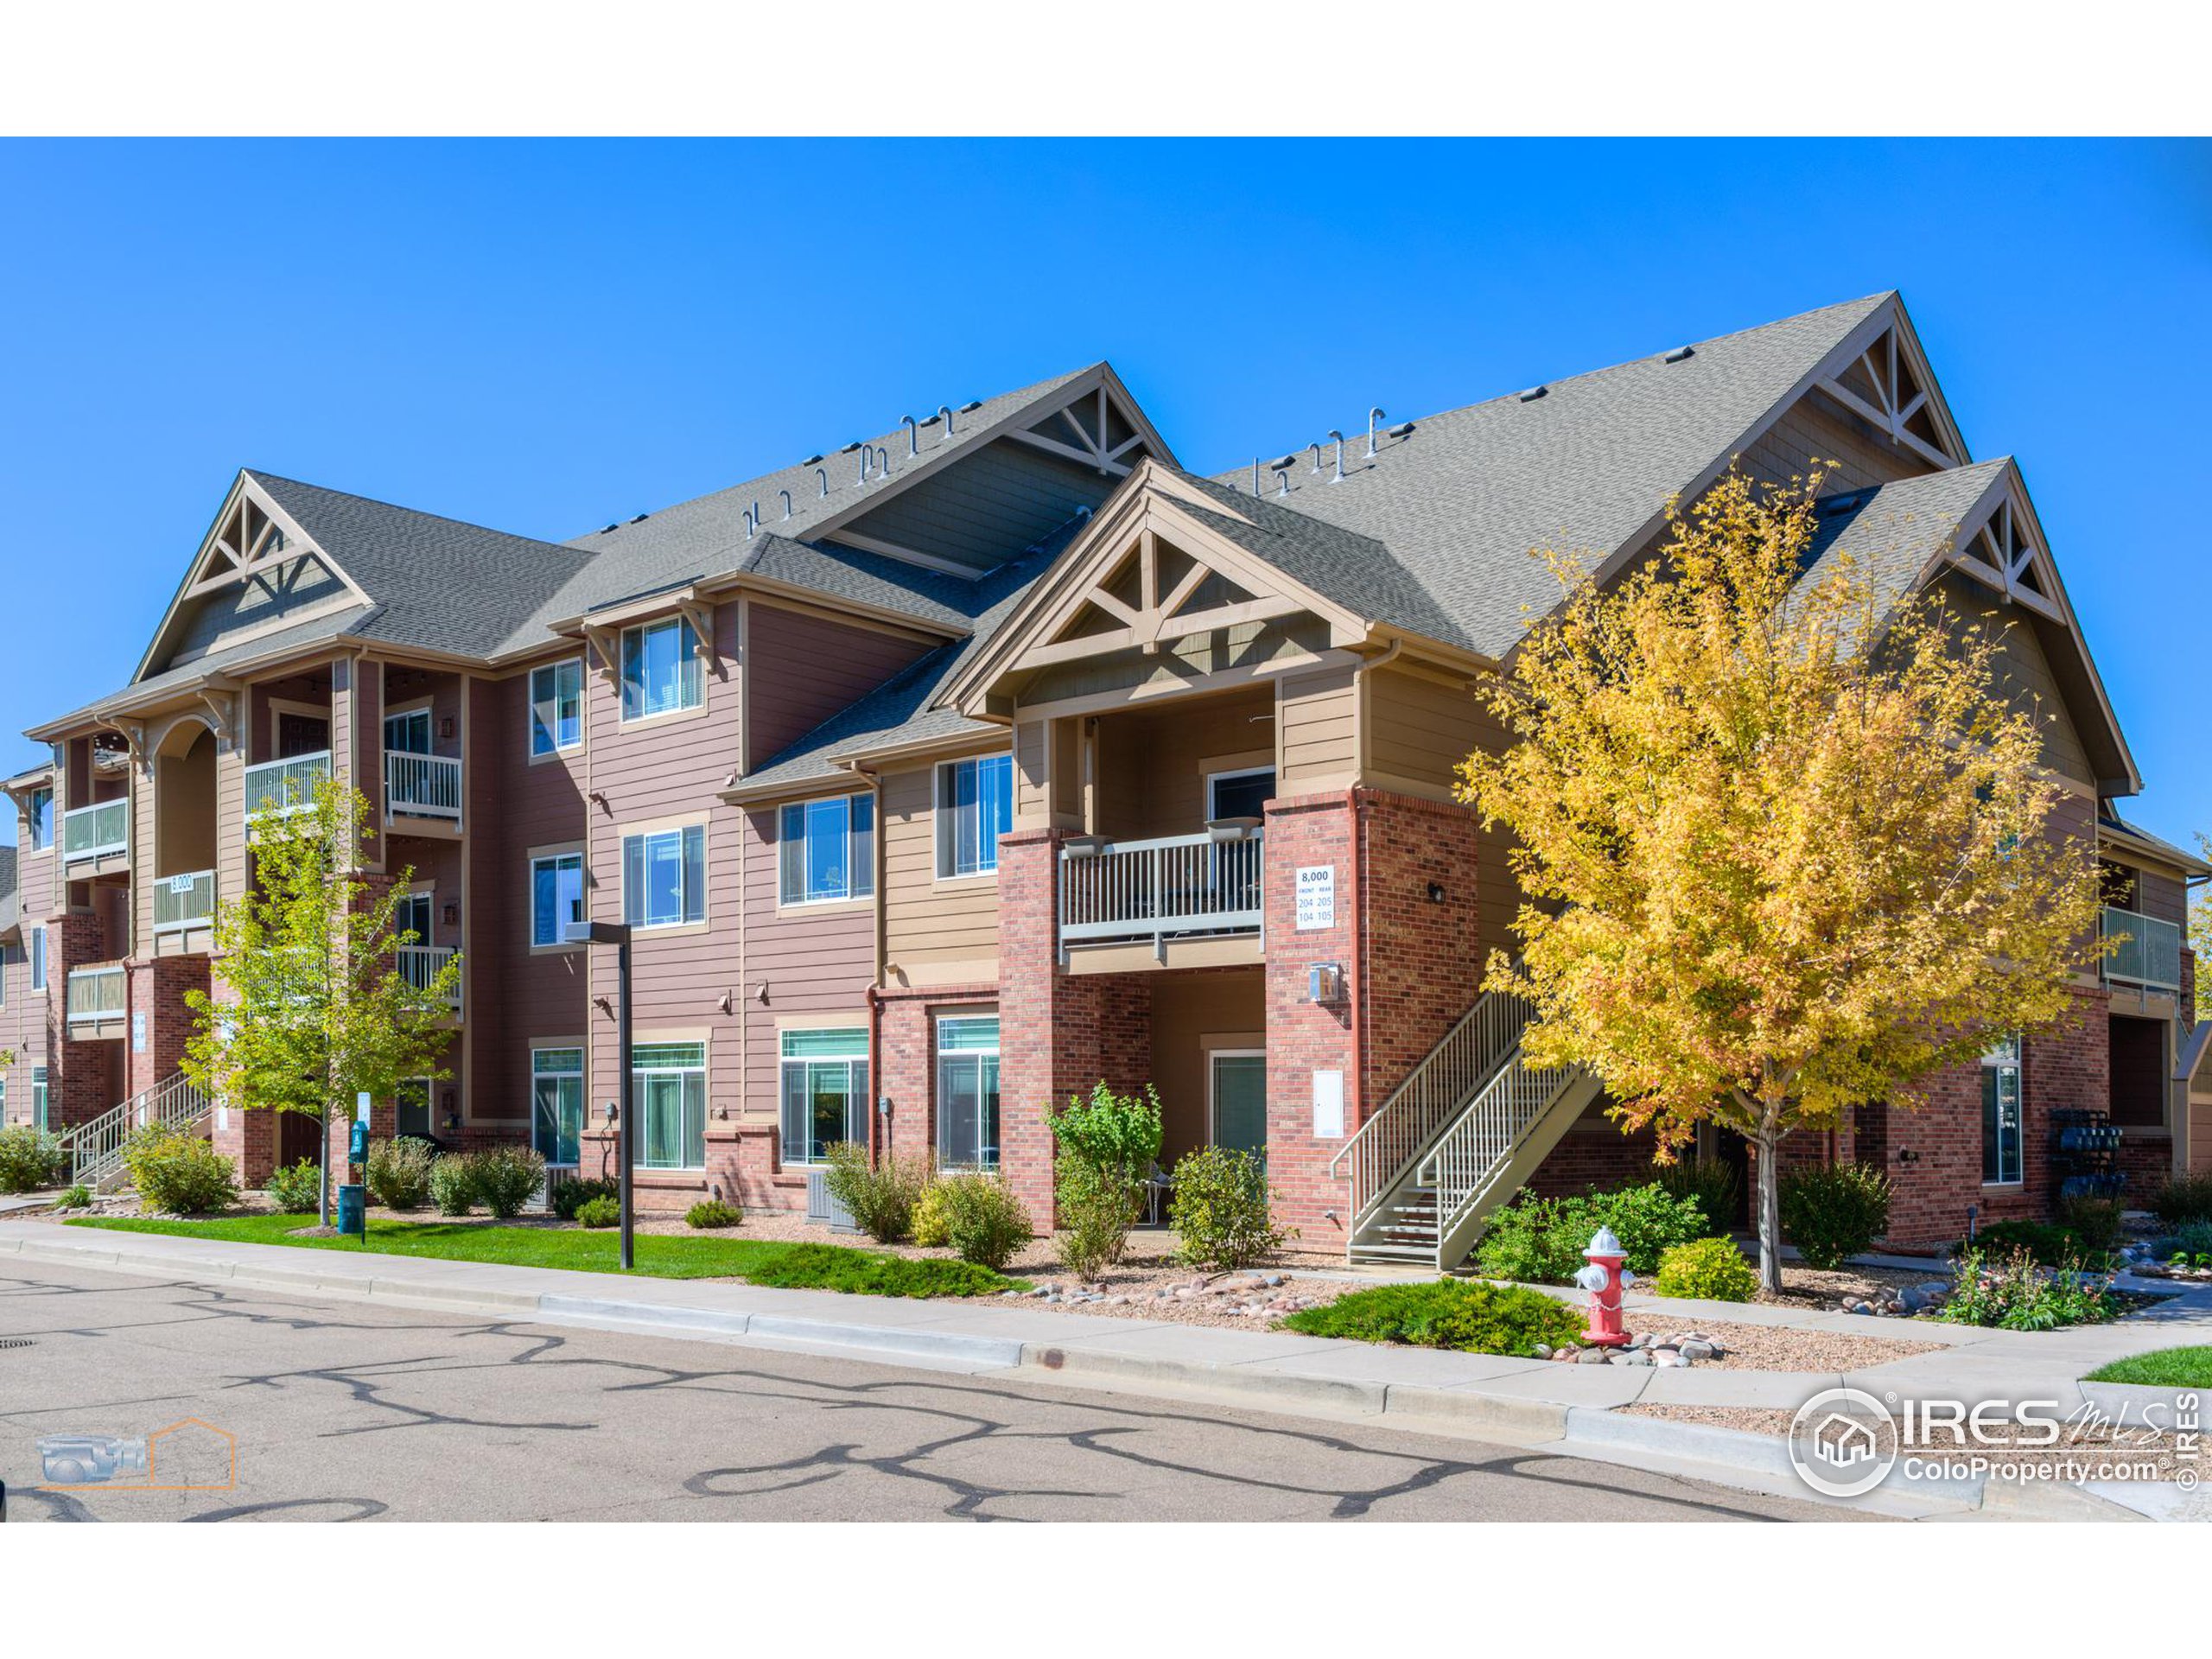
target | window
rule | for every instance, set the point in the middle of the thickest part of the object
(408, 733)
(38, 1095)
(556, 896)
(975, 807)
(825, 1092)
(557, 706)
(38, 958)
(669, 1083)
(828, 849)
(664, 877)
(968, 1091)
(556, 1096)
(660, 668)
(38, 820)
(1240, 794)
(411, 1107)
(2000, 1114)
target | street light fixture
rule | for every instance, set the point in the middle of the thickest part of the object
(618, 935)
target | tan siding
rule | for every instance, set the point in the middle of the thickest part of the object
(1418, 730)
(1810, 432)
(1317, 725)
(1249, 645)
(801, 669)
(937, 932)
(2025, 679)
(1152, 767)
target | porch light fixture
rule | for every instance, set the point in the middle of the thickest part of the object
(1325, 982)
(1436, 893)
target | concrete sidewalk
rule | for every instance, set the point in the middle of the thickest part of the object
(1571, 1408)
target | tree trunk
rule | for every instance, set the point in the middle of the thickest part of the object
(323, 1201)
(1768, 1141)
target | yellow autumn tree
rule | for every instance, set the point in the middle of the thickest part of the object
(1785, 846)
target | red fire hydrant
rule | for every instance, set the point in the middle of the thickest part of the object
(1604, 1278)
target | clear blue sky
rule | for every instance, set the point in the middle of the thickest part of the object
(544, 337)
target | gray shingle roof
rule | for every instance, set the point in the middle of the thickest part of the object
(1461, 503)
(1892, 533)
(314, 632)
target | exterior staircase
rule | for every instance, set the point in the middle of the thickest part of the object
(1456, 1139)
(95, 1148)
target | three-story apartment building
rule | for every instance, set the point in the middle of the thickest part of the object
(945, 773)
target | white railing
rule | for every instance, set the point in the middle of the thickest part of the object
(288, 784)
(1436, 1090)
(95, 1149)
(1462, 1165)
(182, 901)
(422, 785)
(97, 831)
(2149, 951)
(1136, 890)
(419, 965)
(96, 994)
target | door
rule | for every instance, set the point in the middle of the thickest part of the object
(1237, 1099)
(412, 1105)
(408, 733)
(412, 915)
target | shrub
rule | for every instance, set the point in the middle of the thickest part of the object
(984, 1223)
(928, 1226)
(712, 1212)
(30, 1158)
(1830, 1211)
(2096, 1223)
(1713, 1269)
(398, 1173)
(1110, 1131)
(602, 1211)
(2183, 1200)
(869, 1272)
(878, 1197)
(1480, 1318)
(296, 1190)
(1219, 1206)
(1098, 1208)
(571, 1193)
(2191, 1241)
(1541, 1240)
(176, 1171)
(2009, 1291)
(453, 1184)
(78, 1197)
(1714, 1186)
(507, 1178)
(2048, 1243)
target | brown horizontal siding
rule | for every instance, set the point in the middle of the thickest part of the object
(802, 668)
(1418, 730)
(1811, 433)
(1000, 501)
(1316, 721)
(815, 960)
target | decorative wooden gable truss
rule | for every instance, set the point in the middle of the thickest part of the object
(1884, 380)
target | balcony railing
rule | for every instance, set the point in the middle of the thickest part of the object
(95, 993)
(98, 831)
(2149, 954)
(419, 965)
(182, 901)
(1152, 891)
(422, 785)
(287, 786)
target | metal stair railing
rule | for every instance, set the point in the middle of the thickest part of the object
(1464, 1163)
(95, 1148)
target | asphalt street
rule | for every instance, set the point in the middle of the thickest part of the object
(340, 1411)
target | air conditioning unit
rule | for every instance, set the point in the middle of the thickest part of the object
(823, 1209)
(555, 1174)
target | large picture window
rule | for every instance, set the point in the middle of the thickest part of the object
(557, 1094)
(557, 706)
(824, 1092)
(968, 1091)
(661, 669)
(827, 849)
(664, 877)
(975, 807)
(2000, 1114)
(669, 1083)
(556, 896)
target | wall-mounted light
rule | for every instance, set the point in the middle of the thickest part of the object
(451, 912)
(724, 1003)
(761, 992)
(1325, 982)
(612, 1113)
(1436, 893)
(445, 726)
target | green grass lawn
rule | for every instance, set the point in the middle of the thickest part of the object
(786, 1266)
(2166, 1368)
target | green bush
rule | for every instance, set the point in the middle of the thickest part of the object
(880, 1197)
(178, 1172)
(2191, 1241)
(1098, 1208)
(866, 1273)
(1541, 1241)
(2009, 1290)
(2183, 1200)
(928, 1226)
(78, 1197)
(507, 1178)
(602, 1211)
(1713, 1269)
(1219, 1206)
(453, 1184)
(398, 1172)
(1110, 1131)
(984, 1223)
(30, 1158)
(296, 1190)
(2048, 1243)
(2096, 1223)
(1715, 1185)
(1480, 1318)
(712, 1212)
(571, 1193)
(1830, 1211)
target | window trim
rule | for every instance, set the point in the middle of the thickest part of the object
(41, 1099)
(38, 843)
(784, 1062)
(35, 951)
(940, 1055)
(682, 624)
(678, 827)
(784, 900)
(537, 855)
(1240, 1050)
(637, 1095)
(940, 774)
(1228, 772)
(530, 709)
(2008, 1056)
(583, 1092)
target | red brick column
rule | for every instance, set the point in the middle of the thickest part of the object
(1305, 1037)
(157, 992)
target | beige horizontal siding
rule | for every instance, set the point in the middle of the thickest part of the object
(935, 931)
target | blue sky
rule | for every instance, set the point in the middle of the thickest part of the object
(546, 336)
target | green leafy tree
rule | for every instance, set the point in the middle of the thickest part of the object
(321, 1011)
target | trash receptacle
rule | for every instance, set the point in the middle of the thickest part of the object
(353, 1210)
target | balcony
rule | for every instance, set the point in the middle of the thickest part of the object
(102, 830)
(2149, 951)
(286, 785)
(183, 902)
(1161, 892)
(419, 965)
(97, 995)
(422, 786)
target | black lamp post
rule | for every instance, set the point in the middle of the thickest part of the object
(618, 935)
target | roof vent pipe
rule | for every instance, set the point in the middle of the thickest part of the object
(882, 461)
(1339, 437)
(945, 410)
(822, 474)
(867, 458)
(1317, 459)
(913, 433)
(752, 521)
(786, 494)
(1283, 475)
(1255, 477)
(1373, 416)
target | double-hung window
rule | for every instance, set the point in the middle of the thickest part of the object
(557, 706)
(968, 1091)
(975, 807)
(38, 958)
(668, 1082)
(2000, 1114)
(556, 1095)
(824, 1092)
(556, 896)
(660, 668)
(827, 849)
(38, 820)
(664, 877)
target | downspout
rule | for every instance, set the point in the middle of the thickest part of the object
(878, 1130)
(1357, 974)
